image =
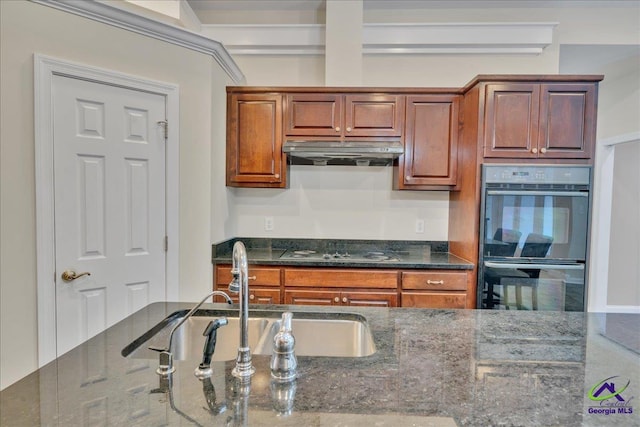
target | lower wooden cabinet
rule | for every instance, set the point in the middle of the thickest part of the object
(352, 286)
(435, 289)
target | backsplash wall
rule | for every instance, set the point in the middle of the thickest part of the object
(340, 202)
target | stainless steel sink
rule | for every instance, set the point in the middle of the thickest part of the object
(323, 337)
(341, 335)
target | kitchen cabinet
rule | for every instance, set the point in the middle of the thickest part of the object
(530, 120)
(341, 286)
(374, 287)
(435, 289)
(430, 157)
(254, 140)
(340, 116)
(264, 284)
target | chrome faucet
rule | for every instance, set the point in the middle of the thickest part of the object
(165, 367)
(240, 283)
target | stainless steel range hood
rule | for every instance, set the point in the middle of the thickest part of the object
(361, 153)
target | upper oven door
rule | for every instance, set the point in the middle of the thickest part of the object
(535, 224)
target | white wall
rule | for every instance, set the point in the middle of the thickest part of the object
(614, 278)
(27, 28)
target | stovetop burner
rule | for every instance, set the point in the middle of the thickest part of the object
(358, 256)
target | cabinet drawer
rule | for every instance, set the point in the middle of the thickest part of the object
(436, 280)
(433, 300)
(341, 278)
(297, 297)
(256, 296)
(265, 276)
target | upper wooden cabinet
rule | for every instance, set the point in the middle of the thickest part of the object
(339, 116)
(254, 140)
(431, 142)
(540, 120)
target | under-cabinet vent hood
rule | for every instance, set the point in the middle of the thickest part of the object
(360, 153)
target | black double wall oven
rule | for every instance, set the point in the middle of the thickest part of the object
(534, 235)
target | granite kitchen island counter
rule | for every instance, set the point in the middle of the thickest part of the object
(431, 368)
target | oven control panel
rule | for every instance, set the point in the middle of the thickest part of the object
(507, 174)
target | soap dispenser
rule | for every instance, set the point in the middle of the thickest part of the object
(284, 366)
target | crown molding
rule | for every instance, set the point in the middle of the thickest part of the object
(120, 18)
(426, 38)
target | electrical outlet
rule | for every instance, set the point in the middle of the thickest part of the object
(419, 225)
(268, 223)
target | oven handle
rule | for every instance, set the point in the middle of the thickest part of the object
(536, 266)
(537, 193)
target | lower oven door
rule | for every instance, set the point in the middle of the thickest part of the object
(533, 286)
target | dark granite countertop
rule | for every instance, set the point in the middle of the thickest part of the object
(413, 254)
(431, 368)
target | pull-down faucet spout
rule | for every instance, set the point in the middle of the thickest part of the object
(166, 356)
(240, 283)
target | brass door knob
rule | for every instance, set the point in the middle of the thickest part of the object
(69, 275)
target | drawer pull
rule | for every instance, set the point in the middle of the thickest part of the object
(435, 282)
(251, 277)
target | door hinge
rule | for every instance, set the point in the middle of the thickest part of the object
(166, 243)
(165, 127)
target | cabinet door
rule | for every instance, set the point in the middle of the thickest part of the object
(511, 120)
(431, 142)
(567, 121)
(314, 114)
(303, 297)
(434, 299)
(254, 141)
(369, 299)
(373, 115)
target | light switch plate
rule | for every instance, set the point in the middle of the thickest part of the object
(419, 225)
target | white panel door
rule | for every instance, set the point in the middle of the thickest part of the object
(109, 161)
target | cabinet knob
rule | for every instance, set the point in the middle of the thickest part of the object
(543, 150)
(337, 128)
(408, 178)
(435, 282)
(277, 176)
(336, 299)
(344, 299)
(348, 129)
(252, 297)
(534, 150)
